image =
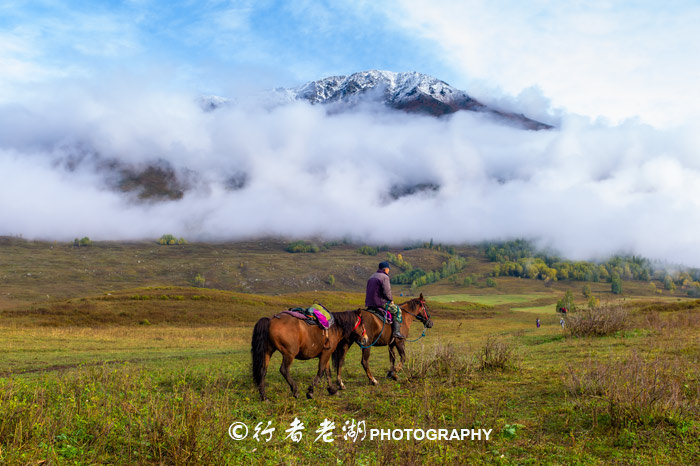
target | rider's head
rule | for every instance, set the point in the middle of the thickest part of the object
(384, 266)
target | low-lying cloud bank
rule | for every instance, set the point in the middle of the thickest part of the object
(74, 164)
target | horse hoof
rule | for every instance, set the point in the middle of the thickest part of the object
(392, 375)
(309, 395)
(341, 386)
(374, 381)
(332, 390)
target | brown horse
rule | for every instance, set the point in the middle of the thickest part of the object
(379, 334)
(297, 340)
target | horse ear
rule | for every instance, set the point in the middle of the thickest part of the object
(421, 297)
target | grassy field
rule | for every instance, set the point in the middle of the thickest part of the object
(147, 369)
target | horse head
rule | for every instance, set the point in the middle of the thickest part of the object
(419, 308)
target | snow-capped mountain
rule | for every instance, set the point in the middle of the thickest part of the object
(411, 92)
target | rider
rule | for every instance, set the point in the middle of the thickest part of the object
(378, 296)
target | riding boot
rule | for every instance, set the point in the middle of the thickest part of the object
(396, 329)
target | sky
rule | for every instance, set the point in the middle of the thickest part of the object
(85, 83)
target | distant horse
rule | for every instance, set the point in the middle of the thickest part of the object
(379, 334)
(297, 340)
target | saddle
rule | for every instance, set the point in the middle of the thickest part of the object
(314, 315)
(381, 313)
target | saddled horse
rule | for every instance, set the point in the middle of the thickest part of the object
(297, 340)
(379, 334)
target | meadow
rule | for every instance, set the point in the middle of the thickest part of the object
(110, 355)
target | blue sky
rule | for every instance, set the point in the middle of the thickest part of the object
(613, 59)
(208, 43)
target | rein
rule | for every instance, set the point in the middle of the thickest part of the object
(378, 336)
(425, 329)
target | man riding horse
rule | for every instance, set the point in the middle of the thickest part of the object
(378, 296)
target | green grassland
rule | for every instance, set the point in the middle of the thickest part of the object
(109, 355)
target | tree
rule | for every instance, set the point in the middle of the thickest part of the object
(586, 291)
(567, 302)
(616, 284)
(85, 241)
(668, 283)
(198, 281)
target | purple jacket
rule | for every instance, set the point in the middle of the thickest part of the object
(378, 290)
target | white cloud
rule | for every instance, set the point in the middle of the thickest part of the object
(599, 58)
(588, 188)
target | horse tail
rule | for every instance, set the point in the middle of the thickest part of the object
(258, 349)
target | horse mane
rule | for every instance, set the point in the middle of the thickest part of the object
(413, 301)
(346, 321)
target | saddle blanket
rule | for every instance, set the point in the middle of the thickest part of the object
(314, 315)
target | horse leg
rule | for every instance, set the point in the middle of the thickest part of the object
(392, 371)
(342, 350)
(400, 346)
(365, 365)
(284, 370)
(319, 374)
(331, 389)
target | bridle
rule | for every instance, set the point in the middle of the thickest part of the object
(424, 317)
(359, 322)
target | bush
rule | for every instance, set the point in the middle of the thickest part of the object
(566, 302)
(198, 281)
(331, 280)
(85, 241)
(586, 291)
(597, 321)
(497, 354)
(398, 260)
(634, 390)
(444, 362)
(368, 250)
(170, 240)
(616, 284)
(301, 246)
(490, 282)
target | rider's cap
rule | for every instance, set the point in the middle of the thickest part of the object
(384, 265)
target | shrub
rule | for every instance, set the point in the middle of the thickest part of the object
(490, 282)
(85, 241)
(444, 362)
(198, 281)
(368, 250)
(586, 291)
(669, 284)
(597, 321)
(566, 302)
(171, 240)
(497, 354)
(398, 260)
(634, 390)
(331, 280)
(301, 246)
(616, 284)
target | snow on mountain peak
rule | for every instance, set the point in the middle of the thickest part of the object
(409, 91)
